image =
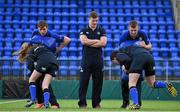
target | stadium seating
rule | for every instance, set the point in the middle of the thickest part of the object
(18, 19)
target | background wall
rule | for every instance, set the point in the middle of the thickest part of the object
(68, 89)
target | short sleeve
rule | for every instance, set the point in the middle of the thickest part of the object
(103, 32)
(82, 31)
(146, 38)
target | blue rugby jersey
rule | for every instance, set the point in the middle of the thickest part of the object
(126, 40)
(49, 40)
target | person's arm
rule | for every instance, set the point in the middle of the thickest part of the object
(63, 44)
(143, 44)
(103, 39)
(146, 43)
(123, 38)
(100, 43)
(88, 42)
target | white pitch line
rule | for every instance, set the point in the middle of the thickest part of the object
(12, 101)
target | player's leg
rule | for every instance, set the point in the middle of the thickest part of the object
(150, 71)
(83, 86)
(39, 92)
(160, 84)
(45, 87)
(125, 92)
(97, 76)
(139, 91)
(32, 87)
(52, 99)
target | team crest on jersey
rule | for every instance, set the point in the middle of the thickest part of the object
(140, 38)
(87, 32)
(43, 68)
(81, 70)
(98, 33)
(56, 72)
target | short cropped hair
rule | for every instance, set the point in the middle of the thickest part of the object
(133, 23)
(93, 14)
(42, 24)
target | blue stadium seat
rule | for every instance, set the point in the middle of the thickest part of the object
(7, 24)
(145, 18)
(162, 34)
(166, 2)
(57, 16)
(159, 71)
(162, 25)
(155, 51)
(24, 24)
(177, 71)
(49, 16)
(25, 8)
(161, 18)
(108, 51)
(9, 33)
(170, 26)
(16, 24)
(73, 25)
(171, 34)
(172, 42)
(168, 11)
(63, 61)
(79, 52)
(6, 70)
(33, 16)
(154, 26)
(151, 3)
(104, 2)
(63, 70)
(32, 24)
(116, 71)
(73, 51)
(57, 25)
(113, 25)
(152, 34)
(145, 26)
(73, 70)
(9, 9)
(17, 70)
(25, 16)
(27, 33)
(74, 34)
(153, 17)
(164, 52)
(137, 17)
(109, 42)
(2, 33)
(64, 52)
(174, 52)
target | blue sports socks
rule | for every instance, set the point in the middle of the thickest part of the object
(159, 84)
(134, 94)
(32, 90)
(46, 96)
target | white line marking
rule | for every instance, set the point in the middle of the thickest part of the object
(12, 101)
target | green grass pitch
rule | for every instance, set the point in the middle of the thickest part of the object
(106, 105)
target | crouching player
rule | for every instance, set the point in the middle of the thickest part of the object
(39, 93)
(125, 80)
(140, 59)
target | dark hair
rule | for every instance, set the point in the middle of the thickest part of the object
(93, 14)
(113, 55)
(42, 23)
(133, 23)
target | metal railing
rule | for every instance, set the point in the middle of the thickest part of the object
(70, 67)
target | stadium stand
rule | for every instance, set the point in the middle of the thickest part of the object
(19, 17)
